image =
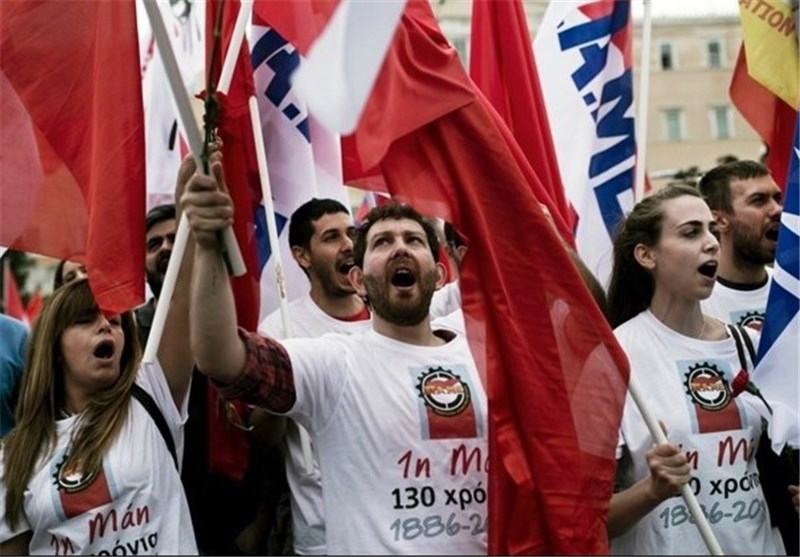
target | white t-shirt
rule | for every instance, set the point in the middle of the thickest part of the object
(307, 320)
(740, 307)
(446, 300)
(686, 384)
(308, 519)
(400, 432)
(136, 503)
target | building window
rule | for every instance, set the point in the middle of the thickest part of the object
(667, 60)
(721, 122)
(673, 124)
(714, 49)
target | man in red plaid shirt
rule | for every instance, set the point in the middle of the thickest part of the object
(397, 413)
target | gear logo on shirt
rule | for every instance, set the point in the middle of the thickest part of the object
(752, 319)
(79, 492)
(446, 401)
(707, 387)
(443, 391)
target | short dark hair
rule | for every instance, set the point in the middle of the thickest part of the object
(159, 213)
(392, 211)
(715, 185)
(301, 224)
(452, 236)
(58, 279)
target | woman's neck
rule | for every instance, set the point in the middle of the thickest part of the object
(682, 315)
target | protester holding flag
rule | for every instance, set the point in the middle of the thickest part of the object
(87, 469)
(746, 203)
(396, 413)
(665, 261)
(82, 444)
(13, 340)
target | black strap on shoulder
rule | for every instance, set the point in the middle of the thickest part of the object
(736, 335)
(739, 335)
(150, 405)
(748, 342)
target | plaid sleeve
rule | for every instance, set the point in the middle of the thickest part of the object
(267, 380)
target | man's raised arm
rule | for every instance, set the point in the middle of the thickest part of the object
(218, 350)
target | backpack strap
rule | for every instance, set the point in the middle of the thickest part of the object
(736, 335)
(150, 405)
(748, 342)
(742, 340)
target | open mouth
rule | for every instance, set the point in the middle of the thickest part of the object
(772, 234)
(163, 263)
(104, 350)
(344, 268)
(708, 269)
(403, 278)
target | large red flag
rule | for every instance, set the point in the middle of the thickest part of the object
(556, 378)
(502, 65)
(72, 139)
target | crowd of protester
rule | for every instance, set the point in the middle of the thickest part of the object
(291, 439)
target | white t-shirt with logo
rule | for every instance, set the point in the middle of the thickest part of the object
(740, 307)
(686, 383)
(308, 519)
(135, 505)
(400, 432)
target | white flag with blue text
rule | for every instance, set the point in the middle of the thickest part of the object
(303, 159)
(583, 53)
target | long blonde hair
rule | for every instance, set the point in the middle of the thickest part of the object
(42, 398)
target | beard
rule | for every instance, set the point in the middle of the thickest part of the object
(155, 281)
(749, 248)
(329, 279)
(405, 312)
(155, 277)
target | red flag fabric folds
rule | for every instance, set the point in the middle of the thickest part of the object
(503, 67)
(72, 176)
(555, 376)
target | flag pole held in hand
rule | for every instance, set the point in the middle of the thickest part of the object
(235, 263)
(688, 496)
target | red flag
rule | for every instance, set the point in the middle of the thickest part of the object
(297, 21)
(504, 69)
(769, 116)
(71, 132)
(34, 307)
(556, 378)
(230, 454)
(238, 149)
(12, 300)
